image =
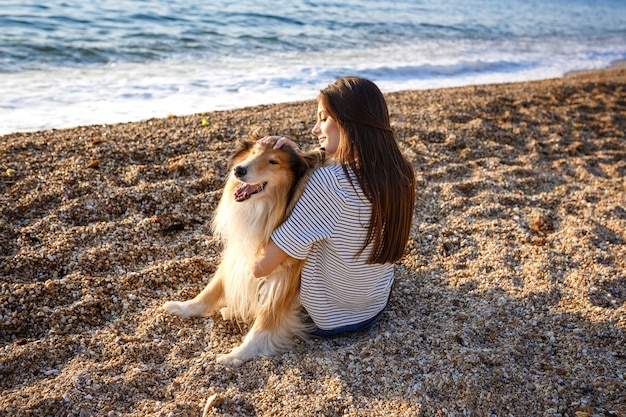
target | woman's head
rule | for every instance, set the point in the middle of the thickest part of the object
(350, 109)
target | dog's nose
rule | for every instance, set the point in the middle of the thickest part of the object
(240, 171)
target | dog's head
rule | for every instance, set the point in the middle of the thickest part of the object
(258, 169)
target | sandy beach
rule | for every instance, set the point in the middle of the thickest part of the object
(510, 301)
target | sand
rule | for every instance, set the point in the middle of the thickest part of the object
(510, 301)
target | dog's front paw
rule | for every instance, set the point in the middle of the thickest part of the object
(184, 309)
(229, 360)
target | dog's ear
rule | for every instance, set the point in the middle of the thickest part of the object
(242, 146)
(306, 161)
(258, 133)
(313, 158)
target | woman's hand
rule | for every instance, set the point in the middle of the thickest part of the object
(280, 142)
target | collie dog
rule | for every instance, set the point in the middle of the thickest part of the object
(260, 191)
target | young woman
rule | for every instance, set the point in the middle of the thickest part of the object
(353, 219)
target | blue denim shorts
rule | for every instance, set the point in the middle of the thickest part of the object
(342, 330)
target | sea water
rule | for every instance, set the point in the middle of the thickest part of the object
(66, 63)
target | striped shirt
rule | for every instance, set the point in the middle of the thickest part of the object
(327, 227)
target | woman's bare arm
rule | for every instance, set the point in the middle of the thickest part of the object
(272, 257)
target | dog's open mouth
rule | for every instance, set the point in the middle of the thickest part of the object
(245, 191)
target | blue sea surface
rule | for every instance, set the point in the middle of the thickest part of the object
(65, 63)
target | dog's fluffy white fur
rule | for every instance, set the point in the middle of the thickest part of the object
(260, 191)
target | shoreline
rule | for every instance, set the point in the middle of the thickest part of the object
(615, 65)
(510, 299)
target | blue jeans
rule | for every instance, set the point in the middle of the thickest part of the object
(342, 330)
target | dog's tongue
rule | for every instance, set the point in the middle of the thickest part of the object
(244, 191)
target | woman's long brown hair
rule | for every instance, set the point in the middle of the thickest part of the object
(368, 147)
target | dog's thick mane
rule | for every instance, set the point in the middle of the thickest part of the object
(256, 220)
